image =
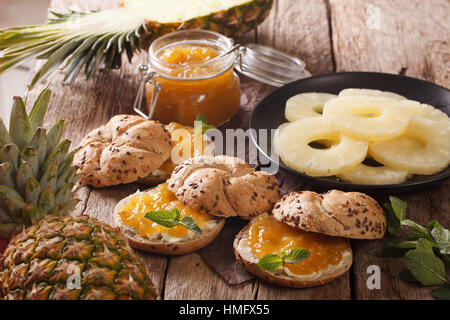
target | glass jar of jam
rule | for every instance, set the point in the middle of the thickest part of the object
(191, 72)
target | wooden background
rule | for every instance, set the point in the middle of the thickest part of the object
(407, 37)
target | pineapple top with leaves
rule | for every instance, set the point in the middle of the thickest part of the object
(92, 40)
(36, 173)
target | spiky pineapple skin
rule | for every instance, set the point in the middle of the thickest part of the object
(38, 263)
(232, 22)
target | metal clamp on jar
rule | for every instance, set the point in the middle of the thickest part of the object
(191, 72)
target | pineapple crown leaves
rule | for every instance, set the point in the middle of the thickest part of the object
(62, 42)
(36, 172)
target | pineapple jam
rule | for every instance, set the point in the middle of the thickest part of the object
(186, 144)
(159, 198)
(192, 82)
(268, 235)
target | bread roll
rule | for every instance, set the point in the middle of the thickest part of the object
(335, 213)
(224, 186)
(124, 150)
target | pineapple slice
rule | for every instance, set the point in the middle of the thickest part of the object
(427, 111)
(306, 105)
(341, 153)
(423, 149)
(368, 118)
(370, 93)
(276, 137)
(364, 174)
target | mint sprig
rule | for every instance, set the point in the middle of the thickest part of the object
(201, 124)
(171, 219)
(426, 252)
(272, 262)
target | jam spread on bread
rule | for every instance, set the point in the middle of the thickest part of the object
(160, 198)
(268, 235)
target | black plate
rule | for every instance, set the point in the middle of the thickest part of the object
(269, 114)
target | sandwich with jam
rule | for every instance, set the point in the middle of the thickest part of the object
(304, 241)
(188, 211)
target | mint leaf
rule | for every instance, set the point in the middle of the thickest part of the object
(190, 224)
(176, 214)
(425, 245)
(201, 124)
(296, 255)
(442, 293)
(163, 217)
(200, 117)
(442, 237)
(270, 262)
(417, 230)
(426, 267)
(399, 207)
(393, 224)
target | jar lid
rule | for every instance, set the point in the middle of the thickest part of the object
(269, 66)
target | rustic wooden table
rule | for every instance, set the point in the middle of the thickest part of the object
(407, 37)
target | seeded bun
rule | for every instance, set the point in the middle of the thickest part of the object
(224, 186)
(335, 213)
(124, 150)
(280, 277)
(161, 245)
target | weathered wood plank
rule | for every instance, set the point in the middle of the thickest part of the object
(189, 277)
(388, 36)
(394, 37)
(300, 28)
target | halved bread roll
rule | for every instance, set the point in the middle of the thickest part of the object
(281, 276)
(164, 243)
(319, 223)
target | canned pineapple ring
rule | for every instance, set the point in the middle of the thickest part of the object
(340, 153)
(368, 118)
(423, 149)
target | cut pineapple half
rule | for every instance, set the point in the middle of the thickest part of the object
(90, 41)
(364, 174)
(276, 137)
(368, 118)
(306, 105)
(423, 149)
(342, 153)
(370, 93)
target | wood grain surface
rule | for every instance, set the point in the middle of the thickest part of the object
(408, 37)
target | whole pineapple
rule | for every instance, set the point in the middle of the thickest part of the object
(36, 173)
(68, 258)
